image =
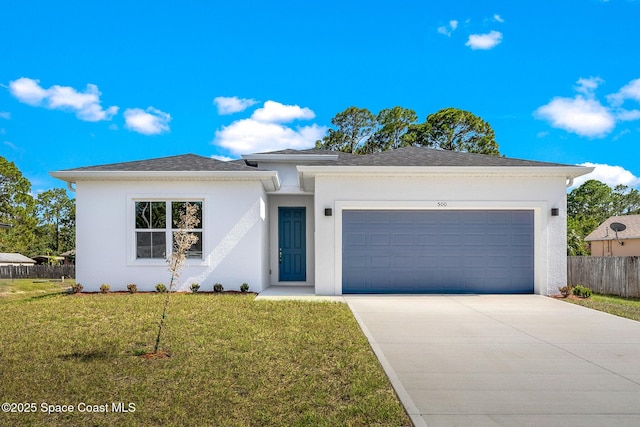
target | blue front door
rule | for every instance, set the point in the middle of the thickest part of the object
(292, 256)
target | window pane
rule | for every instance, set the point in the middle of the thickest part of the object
(179, 208)
(143, 215)
(158, 244)
(158, 215)
(143, 245)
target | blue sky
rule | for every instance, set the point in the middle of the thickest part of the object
(86, 83)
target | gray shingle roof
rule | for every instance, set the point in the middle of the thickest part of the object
(604, 232)
(15, 258)
(184, 162)
(417, 156)
(407, 156)
(420, 156)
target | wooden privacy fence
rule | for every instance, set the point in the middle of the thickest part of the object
(37, 271)
(619, 275)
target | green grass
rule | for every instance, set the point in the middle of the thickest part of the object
(30, 288)
(234, 362)
(624, 307)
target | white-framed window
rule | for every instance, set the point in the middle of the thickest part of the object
(154, 224)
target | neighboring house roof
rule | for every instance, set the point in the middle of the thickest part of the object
(14, 258)
(604, 231)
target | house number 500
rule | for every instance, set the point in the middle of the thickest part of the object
(442, 204)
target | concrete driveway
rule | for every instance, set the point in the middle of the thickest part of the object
(505, 360)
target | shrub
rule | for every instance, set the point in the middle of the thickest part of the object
(218, 287)
(566, 290)
(244, 287)
(582, 291)
(161, 288)
(104, 288)
(132, 288)
(194, 287)
(77, 288)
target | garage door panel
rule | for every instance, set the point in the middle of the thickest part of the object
(355, 239)
(403, 240)
(521, 240)
(379, 217)
(438, 251)
(379, 239)
(426, 239)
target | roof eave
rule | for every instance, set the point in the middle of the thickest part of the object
(568, 172)
(269, 179)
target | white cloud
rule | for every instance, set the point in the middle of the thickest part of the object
(580, 115)
(222, 158)
(484, 41)
(627, 115)
(251, 136)
(86, 105)
(233, 104)
(587, 116)
(629, 91)
(610, 175)
(5, 115)
(10, 145)
(448, 30)
(498, 18)
(265, 131)
(149, 122)
(27, 91)
(275, 112)
(588, 86)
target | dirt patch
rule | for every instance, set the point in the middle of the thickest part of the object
(152, 356)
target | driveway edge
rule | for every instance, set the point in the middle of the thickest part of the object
(405, 399)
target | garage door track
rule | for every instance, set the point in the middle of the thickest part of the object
(505, 360)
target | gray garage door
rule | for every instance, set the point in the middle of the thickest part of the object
(437, 251)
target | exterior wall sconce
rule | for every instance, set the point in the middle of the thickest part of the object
(328, 212)
(555, 211)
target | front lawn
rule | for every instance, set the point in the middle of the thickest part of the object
(624, 307)
(234, 362)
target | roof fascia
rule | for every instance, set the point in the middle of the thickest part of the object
(559, 171)
(270, 179)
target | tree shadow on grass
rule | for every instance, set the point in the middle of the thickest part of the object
(88, 356)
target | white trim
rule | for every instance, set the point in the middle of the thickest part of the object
(539, 208)
(132, 261)
(276, 201)
(563, 171)
(270, 179)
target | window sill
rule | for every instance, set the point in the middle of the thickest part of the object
(163, 263)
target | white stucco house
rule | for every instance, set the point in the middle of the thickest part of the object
(410, 220)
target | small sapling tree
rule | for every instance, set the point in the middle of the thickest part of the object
(183, 240)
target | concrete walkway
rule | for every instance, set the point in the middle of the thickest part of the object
(502, 360)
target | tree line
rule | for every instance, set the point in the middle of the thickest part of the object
(41, 225)
(358, 130)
